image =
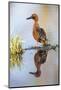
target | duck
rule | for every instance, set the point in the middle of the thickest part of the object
(39, 34)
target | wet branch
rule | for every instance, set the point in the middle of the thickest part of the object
(44, 48)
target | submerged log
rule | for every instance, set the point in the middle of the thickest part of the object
(44, 48)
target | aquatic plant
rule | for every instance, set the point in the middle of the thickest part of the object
(16, 51)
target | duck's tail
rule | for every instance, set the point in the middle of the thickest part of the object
(44, 42)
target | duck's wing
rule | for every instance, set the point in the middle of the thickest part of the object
(42, 33)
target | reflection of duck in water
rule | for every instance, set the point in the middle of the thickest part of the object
(39, 58)
(38, 33)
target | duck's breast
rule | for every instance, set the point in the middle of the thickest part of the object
(35, 34)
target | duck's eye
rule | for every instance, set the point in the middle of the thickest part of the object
(33, 17)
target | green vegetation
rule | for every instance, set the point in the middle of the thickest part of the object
(16, 51)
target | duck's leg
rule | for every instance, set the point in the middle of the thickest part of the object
(36, 44)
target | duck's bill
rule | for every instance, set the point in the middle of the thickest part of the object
(29, 18)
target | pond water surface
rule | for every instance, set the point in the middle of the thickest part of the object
(19, 76)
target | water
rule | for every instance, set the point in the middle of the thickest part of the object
(19, 76)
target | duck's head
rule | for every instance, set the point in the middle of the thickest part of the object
(34, 17)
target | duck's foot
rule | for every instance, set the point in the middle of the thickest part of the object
(36, 74)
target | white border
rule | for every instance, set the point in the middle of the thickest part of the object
(4, 43)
